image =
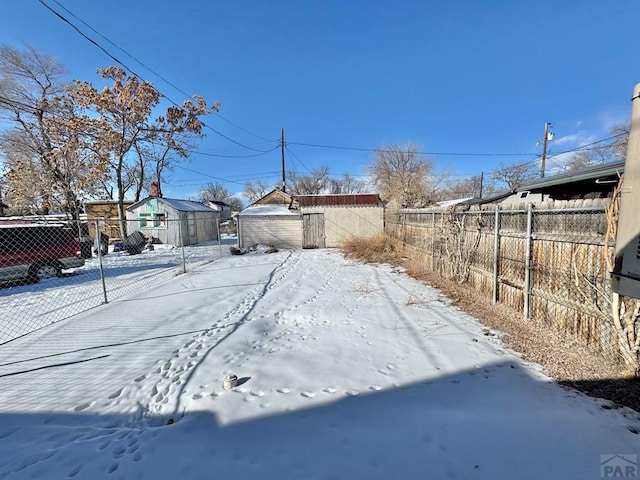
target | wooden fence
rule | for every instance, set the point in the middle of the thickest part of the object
(548, 262)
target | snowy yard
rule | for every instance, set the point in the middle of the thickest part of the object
(29, 307)
(346, 371)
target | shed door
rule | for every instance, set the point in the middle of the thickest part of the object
(313, 230)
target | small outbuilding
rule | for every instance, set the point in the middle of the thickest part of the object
(310, 221)
(328, 220)
(272, 220)
(173, 221)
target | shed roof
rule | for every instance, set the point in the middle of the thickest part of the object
(351, 199)
(177, 204)
(268, 210)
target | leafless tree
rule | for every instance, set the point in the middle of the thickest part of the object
(219, 193)
(476, 186)
(508, 177)
(313, 184)
(347, 184)
(614, 151)
(257, 190)
(214, 192)
(47, 166)
(403, 176)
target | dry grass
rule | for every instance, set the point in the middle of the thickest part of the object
(364, 288)
(413, 301)
(378, 249)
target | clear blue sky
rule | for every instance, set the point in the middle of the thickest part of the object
(461, 76)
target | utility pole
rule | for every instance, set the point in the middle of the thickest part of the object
(481, 179)
(545, 139)
(284, 185)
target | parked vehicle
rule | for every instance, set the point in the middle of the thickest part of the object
(35, 252)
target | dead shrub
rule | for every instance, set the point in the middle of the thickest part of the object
(378, 249)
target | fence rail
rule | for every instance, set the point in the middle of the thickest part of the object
(548, 263)
(51, 270)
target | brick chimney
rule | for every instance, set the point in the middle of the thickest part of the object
(155, 189)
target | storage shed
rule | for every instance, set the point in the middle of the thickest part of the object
(330, 219)
(310, 221)
(270, 224)
(172, 221)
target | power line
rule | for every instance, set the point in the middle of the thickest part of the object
(460, 154)
(148, 68)
(106, 52)
(375, 150)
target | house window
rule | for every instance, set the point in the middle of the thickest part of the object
(144, 219)
(160, 220)
(153, 220)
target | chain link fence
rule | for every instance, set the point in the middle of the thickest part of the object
(550, 263)
(51, 270)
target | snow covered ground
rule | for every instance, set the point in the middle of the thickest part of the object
(29, 307)
(346, 371)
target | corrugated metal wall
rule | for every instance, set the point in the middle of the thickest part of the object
(282, 231)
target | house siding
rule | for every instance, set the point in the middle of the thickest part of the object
(181, 228)
(279, 230)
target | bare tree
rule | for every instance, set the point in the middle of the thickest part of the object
(48, 166)
(214, 192)
(599, 154)
(255, 191)
(476, 186)
(218, 193)
(508, 177)
(403, 176)
(347, 184)
(315, 183)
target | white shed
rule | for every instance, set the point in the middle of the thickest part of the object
(173, 221)
(330, 219)
(270, 224)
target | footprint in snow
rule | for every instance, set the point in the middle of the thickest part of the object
(83, 406)
(74, 471)
(352, 393)
(116, 394)
(257, 393)
(308, 394)
(284, 390)
(330, 390)
(375, 388)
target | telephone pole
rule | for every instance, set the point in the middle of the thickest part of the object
(284, 185)
(545, 139)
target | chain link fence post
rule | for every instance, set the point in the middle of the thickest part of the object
(496, 254)
(181, 232)
(433, 241)
(219, 237)
(100, 266)
(527, 263)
